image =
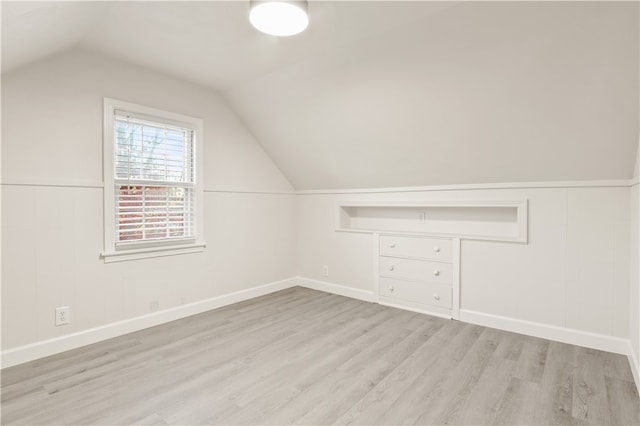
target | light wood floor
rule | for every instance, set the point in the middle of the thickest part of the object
(307, 357)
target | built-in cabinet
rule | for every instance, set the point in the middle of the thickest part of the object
(417, 245)
(419, 273)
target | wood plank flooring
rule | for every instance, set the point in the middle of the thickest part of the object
(301, 356)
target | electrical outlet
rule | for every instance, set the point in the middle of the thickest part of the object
(154, 306)
(63, 315)
(325, 271)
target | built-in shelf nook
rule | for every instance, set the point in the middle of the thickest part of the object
(493, 221)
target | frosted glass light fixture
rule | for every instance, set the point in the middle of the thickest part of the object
(279, 18)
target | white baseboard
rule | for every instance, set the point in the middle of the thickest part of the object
(56, 345)
(48, 347)
(560, 334)
(635, 365)
(566, 335)
(338, 289)
(414, 309)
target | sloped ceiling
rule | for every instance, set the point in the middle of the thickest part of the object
(388, 93)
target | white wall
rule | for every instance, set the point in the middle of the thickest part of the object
(636, 169)
(634, 290)
(52, 228)
(573, 273)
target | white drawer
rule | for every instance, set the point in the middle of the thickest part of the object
(419, 270)
(424, 248)
(418, 292)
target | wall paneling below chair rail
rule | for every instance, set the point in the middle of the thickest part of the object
(572, 273)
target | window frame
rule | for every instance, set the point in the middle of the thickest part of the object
(145, 248)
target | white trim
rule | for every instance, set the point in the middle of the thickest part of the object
(479, 186)
(145, 253)
(455, 295)
(376, 267)
(247, 191)
(56, 345)
(518, 239)
(551, 332)
(439, 203)
(110, 106)
(635, 364)
(71, 183)
(338, 289)
(40, 181)
(521, 206)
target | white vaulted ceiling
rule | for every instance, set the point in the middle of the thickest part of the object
(387, 93)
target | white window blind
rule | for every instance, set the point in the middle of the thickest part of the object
(154, 180)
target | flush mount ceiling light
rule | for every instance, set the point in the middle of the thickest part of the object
(279, 18)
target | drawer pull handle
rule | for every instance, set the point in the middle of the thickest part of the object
(436, 249)
(436, 273)
(391, 289)
(436, 296)
(392, 267)
(392, 245)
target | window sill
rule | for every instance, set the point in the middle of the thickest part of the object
(145, 253)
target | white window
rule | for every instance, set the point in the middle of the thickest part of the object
(153, 184)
